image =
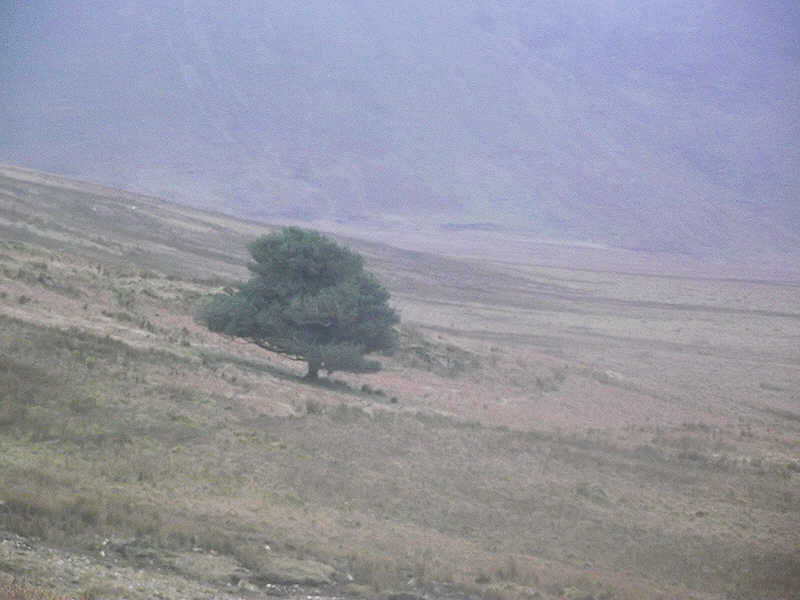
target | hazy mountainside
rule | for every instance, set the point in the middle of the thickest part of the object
(655, 125)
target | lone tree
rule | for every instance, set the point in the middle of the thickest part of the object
(310, 299)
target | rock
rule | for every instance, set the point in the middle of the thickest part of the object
(246, 585)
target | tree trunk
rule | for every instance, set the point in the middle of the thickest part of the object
(313, 370)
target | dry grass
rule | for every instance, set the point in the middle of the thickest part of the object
(11, 590)
(539, 430)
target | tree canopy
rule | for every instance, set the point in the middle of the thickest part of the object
(309, 298)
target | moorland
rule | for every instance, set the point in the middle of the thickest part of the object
(543, 430)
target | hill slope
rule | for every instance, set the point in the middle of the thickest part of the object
(667, 126)
(539, 432)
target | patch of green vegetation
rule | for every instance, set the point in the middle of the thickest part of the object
(310, 299)
(418, 351)
(126, 297)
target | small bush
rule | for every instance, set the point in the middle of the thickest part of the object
(314, 408)
(368, 389)
(126, 298)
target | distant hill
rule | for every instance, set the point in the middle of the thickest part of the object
(663, 126)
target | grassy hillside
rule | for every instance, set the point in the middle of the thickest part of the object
(539, 433)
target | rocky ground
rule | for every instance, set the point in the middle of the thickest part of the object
(137, 571)
(131, 568)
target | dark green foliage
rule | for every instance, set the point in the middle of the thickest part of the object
(311, 299)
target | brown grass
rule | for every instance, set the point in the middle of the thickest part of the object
(540, 430)
(11, 590)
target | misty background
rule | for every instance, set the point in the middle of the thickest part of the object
(657, 125)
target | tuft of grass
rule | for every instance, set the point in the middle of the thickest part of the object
(510, 591)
